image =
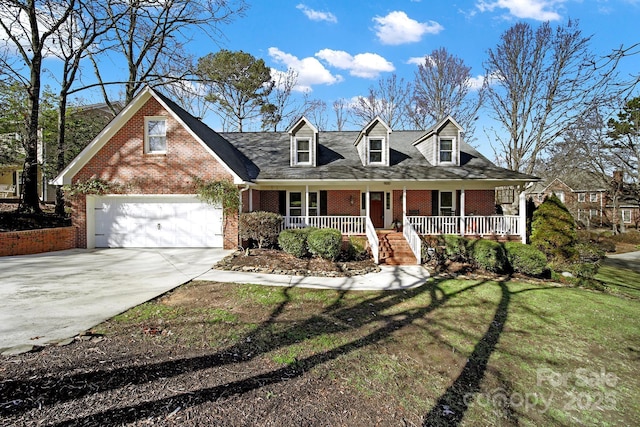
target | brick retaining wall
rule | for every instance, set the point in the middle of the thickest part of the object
(37, 241)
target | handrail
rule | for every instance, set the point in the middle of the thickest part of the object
(348, 225)
(374, 242)
(414, 240)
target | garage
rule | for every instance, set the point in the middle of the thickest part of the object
(155, 221)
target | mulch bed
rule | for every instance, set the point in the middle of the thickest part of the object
(278, 262)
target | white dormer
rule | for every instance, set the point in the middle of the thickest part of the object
(441, 145)
(373, 143)
(304, 143)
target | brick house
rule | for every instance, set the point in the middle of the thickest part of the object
(361, 182)
(586, 206)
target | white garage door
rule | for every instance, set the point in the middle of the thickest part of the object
(159, 222)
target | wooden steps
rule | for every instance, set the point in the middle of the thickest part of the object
(394, 249)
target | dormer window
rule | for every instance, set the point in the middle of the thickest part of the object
(446, 150)
(303, 151)
(304, 144)
(376, 150)
(155, 135)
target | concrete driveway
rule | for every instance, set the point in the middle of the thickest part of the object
(47, 298)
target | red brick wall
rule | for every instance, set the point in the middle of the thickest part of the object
(37, 241)
(339, 202)
(416, 200)
(269, 201)
(480, 202)
(122, 160)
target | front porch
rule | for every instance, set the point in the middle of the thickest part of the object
(417, 212)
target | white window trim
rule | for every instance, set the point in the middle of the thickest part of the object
(582, 197)
(591, 197)
(317, 208)
(626, 216)
(295, 151)
(148, 119)
(302, 203)
(454, 156)
(453, 202)
(383, 149)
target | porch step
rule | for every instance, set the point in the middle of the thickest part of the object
(394, 249)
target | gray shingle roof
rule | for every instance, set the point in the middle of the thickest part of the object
(338, 160)
(256, 156)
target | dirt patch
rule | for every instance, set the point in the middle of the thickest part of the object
(279, 262)
(10, 220)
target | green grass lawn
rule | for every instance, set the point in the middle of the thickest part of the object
(451, 351)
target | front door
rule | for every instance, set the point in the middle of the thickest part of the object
(376, 209)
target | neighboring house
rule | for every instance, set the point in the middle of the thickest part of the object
(586, 206)
(359, 182)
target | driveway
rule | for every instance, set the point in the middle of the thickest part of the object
(48, 298)
(629, 260)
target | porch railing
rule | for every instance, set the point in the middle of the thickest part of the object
(502, 225)
(348, 225)
(414, 240)
(374, 242)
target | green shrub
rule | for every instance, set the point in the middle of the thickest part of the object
(357, 249)
(585, 270)
(262, 227)
(589, 252)
(607, 245)
(488, 255)
(553, 229)
(325, 243)
(455, 247)
(294, 241)
(525, 259)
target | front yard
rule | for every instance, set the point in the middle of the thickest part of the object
(451, 351)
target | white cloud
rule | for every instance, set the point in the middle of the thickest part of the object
(310, 70)
(316, 15)
(397, 28)
(540, 10)
(366, 65)
(476, 83)
(416, 60)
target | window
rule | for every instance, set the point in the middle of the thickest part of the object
(155, 135)
(314, 204)
(295, 204)
(593, 213)
(559, 195)
(446, 150)
(626, 215)
(593, 197)
(388, 201)
(303, 151)
(581, 197)
(446, 203)
(375, 150)
(580, 214)
(540, 197)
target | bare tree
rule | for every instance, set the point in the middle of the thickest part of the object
(340, 109)
(443, 87)
(540, 81)
(388, 100)
(73, 40)
(316, 111)
(281, 107)
(146, 35)
(28, 25)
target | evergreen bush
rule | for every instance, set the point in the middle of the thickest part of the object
(455, 247)
(294, 241)
(488, 255)
(262, 227)
(325, 243)
(525, 259)
(553, 230)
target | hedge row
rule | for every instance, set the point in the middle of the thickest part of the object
(325, 243)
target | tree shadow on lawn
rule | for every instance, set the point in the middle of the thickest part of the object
(448, 410)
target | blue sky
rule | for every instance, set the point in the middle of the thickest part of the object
(340, 48)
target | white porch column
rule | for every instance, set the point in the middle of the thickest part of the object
(367, 200)
(404, 204)
(462, 221)
(523, 216)
(306, 202)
